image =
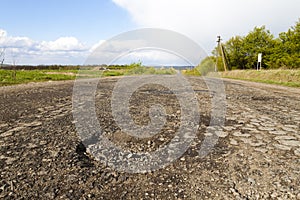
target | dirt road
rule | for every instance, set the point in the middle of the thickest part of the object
(257, 155)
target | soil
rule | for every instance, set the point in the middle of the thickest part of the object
(256, 157)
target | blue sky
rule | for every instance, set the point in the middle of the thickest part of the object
(89, 20)
(66, 31)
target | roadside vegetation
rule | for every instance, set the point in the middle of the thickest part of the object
(138, 69)
(58, 73)
(282, 52)
(11, 77)
(280, 57)
(280, 62)
(283, 77)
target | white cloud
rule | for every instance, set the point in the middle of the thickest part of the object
(23, 50)
(14, 42)
(203, 20)
(62, 44)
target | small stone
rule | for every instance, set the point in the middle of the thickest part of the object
(239, 134)
(3, 125)
(246, 140)
(277, 132)
(43, 142)
(269, 124)
(234, 192)
(265, 118)
(228, 128)
(10, 160)
(91, 195)
(53, 153)
(293, 143)
(208, 134)
(6, 134)
(241, 122)
(31, 145)
(256, 144)
(41, 173)
(50, 195)
(297, 153)
(129, 155)
(255, 124)
(288, 129)
(266, 128)
(34, 124)
(274, 195)
(292, 126)
(285, 137)
(262, 150)
(282, 147)
(233, 142)
(255, 120)
(221, 134)
(249, 129)
(251, 181)
(259, 137)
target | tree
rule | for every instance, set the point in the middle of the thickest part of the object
(257, 41)
(283, 51)
(235, 52)
(207, 65)
(288, 50)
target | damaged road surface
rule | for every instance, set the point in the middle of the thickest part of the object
(257, 155)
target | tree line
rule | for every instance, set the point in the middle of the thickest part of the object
(281, 52)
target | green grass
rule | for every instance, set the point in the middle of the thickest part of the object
(191, 72)
(113, 73)
(150, 70)
(289, 78)
(280, 77)
(25, 76)
(7, 76)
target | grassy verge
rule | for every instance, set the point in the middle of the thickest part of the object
(150, 70)
(11, 77)
(289, 78)
(191, 72)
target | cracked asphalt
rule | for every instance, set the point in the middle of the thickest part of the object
(257, 155)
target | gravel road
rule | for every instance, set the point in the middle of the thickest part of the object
(256, 157)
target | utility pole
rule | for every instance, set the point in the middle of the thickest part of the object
(217, 56)
(221, 49)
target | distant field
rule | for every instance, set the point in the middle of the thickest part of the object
(11, 77)
(280, 77)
